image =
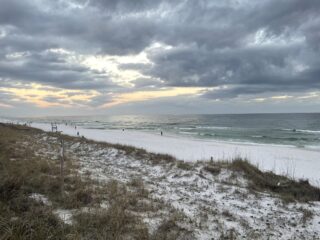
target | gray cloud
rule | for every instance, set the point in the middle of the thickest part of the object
(51, 68)
(100, 100)
(147, 83)
(251, 47)
(222, 54)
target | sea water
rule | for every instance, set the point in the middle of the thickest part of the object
(298, 129)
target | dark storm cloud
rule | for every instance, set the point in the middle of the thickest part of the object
(222, 54)
(91, 27)
(251, 47)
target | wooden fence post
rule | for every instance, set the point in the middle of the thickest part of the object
(62, 165)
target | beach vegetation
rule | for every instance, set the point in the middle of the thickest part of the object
(31, 196)
(288, 189)
(184, 165)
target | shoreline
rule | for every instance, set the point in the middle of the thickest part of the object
(296, 163)
(293, 162)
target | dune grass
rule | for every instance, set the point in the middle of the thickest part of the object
(23, 173)
(288, 189)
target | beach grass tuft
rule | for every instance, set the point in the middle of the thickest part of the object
(288, 189)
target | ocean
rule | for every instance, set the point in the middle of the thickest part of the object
(300, 129)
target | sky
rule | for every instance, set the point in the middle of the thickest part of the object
(83, 57)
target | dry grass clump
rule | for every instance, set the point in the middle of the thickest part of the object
(134, 197)
(129, 149)
(184, 165)
(212, 169)
(170, 230)
(121, 219)
(35, 223)
(161, 158)
(22, 173)
(116, 222)
(288, 189)
(136, 182)
(138, 185)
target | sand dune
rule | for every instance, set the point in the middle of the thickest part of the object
(292, 161)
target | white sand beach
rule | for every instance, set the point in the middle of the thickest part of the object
(290, 161)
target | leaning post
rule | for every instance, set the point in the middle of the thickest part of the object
(62, 158)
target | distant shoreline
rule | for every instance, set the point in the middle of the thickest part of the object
(298, 130)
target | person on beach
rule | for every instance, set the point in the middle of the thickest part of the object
(161, 133)
(78, 134)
